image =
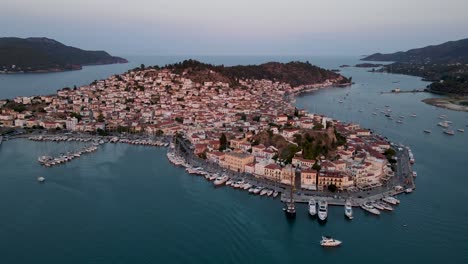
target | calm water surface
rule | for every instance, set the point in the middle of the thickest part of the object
(127, 204)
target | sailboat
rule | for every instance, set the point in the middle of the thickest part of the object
(290, 208)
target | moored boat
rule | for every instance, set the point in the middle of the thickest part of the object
(322, 210)
(348, 209)
(367, 206)
(221, 180)
(329, 242)
(312, 207)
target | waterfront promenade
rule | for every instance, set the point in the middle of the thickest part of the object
(395, 184)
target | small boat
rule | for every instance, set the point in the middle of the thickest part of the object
(370, 208)
(312, 207)
(348, 209)
(377, 205)
(415, 174)
(443, 124)
(385, 206)
(461, 130)
(391, 200)
(449, 132)
(229, 182)
(323, 210)
(409, 190)
(257, 190)
(275, 193)
(40, 179)
(290, 209)
(221, 180)
(399, 122)
(427, 131)
(263, 192)
(246, 186)
(413, 115)
(329, 242)
(269, 193)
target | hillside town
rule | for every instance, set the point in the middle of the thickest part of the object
(220, 121)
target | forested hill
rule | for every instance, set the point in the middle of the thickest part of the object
(46, 55)
(448, 52)
(294, 73)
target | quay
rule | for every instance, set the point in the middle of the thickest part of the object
(396, 185)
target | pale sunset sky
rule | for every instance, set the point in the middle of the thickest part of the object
(240, 27)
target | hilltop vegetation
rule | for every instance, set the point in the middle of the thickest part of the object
(46, 55)
(294, 73)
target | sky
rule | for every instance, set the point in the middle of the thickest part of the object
(238, 27)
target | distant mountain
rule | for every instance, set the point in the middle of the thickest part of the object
(294, 73)
(448, 52)
(47, 55)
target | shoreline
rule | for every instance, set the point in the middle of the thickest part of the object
(447, 103)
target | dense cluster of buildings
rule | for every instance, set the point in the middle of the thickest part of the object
(160, 102)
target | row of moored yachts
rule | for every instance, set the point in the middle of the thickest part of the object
(145, 142)
(219, 180)
(49, 161)
(321, 208)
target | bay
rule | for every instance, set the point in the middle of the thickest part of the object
(127, 204)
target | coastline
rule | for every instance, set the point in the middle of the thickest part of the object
(450, 103)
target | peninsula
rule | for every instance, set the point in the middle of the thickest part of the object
(34, 55)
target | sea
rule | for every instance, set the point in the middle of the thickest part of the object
(128, 204)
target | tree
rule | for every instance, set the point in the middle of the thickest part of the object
(222, 142)
(332, 188)
(316, 166)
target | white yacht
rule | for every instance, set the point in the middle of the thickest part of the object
(263, 192)
(378, 206)
(391, 200)
(275, 193)
(348, 209)
(385, 206)
(312, 207)
(221, 180)
(370, 208)
(329, 242)
(323, 210)
(461, 130)
(269, 193)
(40, 179)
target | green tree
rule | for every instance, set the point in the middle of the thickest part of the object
(316, 166)
(222, 142)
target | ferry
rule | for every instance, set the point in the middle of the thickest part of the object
(323, 210)
(370, 208)
(312, 207)
(329, 242)
(449, 132)
(348, 210)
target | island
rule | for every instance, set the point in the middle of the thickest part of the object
(235, 125)
(39, 55)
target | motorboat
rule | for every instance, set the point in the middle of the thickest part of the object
(348, 209)
(269, 192)
(449, 132)
(385, 206)
(322, 210)
(275, 193)
(263, 192)
(367, 206)
(391, 200)
(415, 174)
(312, 207)
(329, 242)
(461, 130)
(40, 179)
(443, 124)
(427, 131)
(221, 180)
(409, 190)
(377, 205)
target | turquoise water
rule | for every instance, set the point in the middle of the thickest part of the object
(127, 204)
